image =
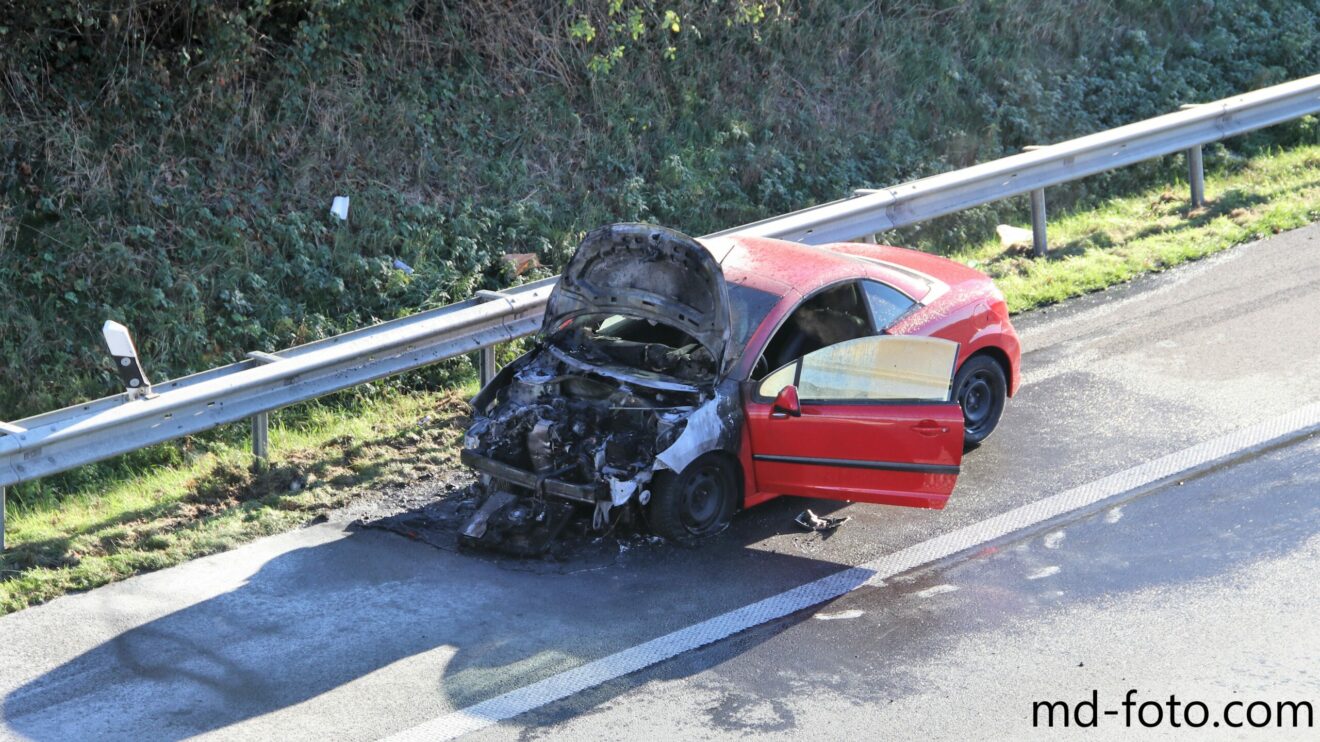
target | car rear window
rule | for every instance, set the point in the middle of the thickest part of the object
(887, 304)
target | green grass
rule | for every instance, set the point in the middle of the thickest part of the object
(322, 456)
(1157, 229)
(170, 164)
(78, 534)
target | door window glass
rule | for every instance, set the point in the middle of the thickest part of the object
(832, 316)
(778, 380)
(879, 368)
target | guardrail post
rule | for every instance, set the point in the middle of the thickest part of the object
(486, 364)
(486, 356)
(1039, 247)
(6, 429)
(261, 420)
(1196, 176)
(261, 440)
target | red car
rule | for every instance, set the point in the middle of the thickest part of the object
(676, 381)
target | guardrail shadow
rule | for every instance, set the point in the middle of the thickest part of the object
(317, 618)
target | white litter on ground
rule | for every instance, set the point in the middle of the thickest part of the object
(339, 207)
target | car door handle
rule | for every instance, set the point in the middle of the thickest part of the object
(930, 427)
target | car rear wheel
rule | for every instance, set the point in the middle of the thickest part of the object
(981, 390)
(698, 502)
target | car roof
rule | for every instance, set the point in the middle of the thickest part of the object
(781, 267)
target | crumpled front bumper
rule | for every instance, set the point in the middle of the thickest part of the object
(538, 483)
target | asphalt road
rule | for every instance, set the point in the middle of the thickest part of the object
(1204, 588)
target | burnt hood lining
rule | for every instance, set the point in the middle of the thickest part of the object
(647, 272)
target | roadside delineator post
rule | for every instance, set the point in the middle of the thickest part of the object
(119, 341)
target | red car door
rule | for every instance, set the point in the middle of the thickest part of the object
(868, 420)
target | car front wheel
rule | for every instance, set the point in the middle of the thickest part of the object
(980, 389)
(696, 503)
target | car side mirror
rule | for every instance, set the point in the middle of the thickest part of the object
(786, 403)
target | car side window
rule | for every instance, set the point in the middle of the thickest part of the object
(835, 315)
(881, 368)
(886, 303)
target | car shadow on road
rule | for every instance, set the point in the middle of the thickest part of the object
(317, 618)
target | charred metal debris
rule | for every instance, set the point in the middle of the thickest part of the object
(623, 385)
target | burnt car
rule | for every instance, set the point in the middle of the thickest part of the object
(677, 380)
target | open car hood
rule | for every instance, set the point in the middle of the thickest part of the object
(650, 272)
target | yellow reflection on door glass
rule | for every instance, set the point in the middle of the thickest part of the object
(776, 381)
(879, 368)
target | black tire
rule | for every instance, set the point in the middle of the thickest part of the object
(697, 503)
(981, 390)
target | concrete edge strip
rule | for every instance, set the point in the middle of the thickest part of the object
(611, 667)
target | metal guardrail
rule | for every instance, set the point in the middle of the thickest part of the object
(82, 434)
(1032, 171)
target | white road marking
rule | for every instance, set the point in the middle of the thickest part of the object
(1043, 572)
(854, 613)
(1129, 481)
(1053, 540)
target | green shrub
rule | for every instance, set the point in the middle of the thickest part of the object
(170, 164)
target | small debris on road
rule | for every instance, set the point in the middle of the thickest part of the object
(813, 522)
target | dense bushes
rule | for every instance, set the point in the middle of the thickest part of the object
(170, 163)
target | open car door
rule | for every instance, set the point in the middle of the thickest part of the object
(868, 420)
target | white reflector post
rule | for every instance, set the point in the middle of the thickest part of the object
(120, 343)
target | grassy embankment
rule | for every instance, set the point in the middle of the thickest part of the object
(206, 500)
(1124, 237)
